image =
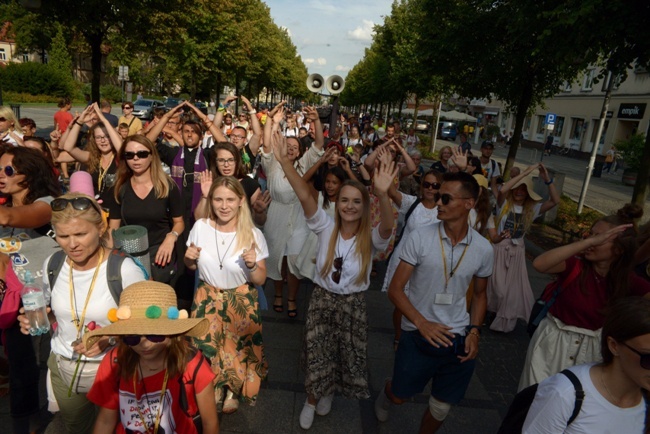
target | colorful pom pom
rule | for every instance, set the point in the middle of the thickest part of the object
(112, 315)
(172, 312)
(92, 325)
(182, 314)
(153, 312)
(124, 312)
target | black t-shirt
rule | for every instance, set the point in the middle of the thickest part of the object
(250, 187)
(438, 166)
(152, 213)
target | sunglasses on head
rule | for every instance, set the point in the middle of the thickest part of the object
(445, 198)
(9, 170)
(78, 203)
(644, 359)
(133, 340)
(434, 185)
(140, 154)
(338, 265)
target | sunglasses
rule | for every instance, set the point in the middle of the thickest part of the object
(434, 185)
(3, 119)
(78, 203)
(338, 265)
(140, 154)
(133, 340)
(644, 359)
(9, 170)
(446, 198)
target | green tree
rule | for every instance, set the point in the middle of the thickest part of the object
(59, 56)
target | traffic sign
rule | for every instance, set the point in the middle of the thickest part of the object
(550, 119)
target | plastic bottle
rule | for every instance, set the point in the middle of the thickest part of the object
(34, 304)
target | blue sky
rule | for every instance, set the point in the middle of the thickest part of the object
(330, 35)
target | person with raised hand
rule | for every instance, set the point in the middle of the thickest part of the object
(336, 337)
(230, 254)
(285, 228)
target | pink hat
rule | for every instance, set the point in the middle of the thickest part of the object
(82, 182)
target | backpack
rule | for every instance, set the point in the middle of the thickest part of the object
(513, 423)
(113, 270)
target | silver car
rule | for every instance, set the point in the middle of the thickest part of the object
(143, 108)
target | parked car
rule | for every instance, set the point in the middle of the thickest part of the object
(143, 108)
(422, 126)
(170, 103)
(447, 130)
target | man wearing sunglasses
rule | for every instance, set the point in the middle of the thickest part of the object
(439, 339)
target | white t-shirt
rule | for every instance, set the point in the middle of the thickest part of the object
(323, 225)
(491, 169)
(235, 272)
(101, 300)
(514, 220)
(555, 400)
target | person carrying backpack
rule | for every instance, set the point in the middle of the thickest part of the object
(153, 381)
(79, 297)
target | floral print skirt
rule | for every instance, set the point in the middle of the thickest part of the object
(233, 342)
(336, 345)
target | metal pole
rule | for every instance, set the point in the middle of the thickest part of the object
(594, 150)
(334, 117)
(435, 134)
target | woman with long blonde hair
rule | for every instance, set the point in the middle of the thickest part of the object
(230, 255)
(147, 196)
(10, 130)
(510, 296)
(337, 324)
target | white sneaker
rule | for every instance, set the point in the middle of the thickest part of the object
(324, 405)
(307, 416)
(382, 405)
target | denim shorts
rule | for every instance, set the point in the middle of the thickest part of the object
(417, 362)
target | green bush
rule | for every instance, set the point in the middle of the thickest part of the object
(25, 98)
(631, 150)
(111, 93)
(36, 79)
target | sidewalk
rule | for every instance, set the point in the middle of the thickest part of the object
(282, 396)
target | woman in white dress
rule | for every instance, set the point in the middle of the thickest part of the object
(286, 229)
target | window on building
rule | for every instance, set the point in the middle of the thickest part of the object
(595, 130)
(588, 81)
(540, 124)
(617, 82)
(526, 124)
(3, 55)
(566, 87)
(25, 57)
(559, 126)
(576, 128)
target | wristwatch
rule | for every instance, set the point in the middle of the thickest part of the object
(470, 327)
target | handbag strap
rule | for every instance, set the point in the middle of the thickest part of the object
(570, 278)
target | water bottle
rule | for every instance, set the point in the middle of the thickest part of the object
(34, 304)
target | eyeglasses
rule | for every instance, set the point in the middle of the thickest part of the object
(9, 170)
(139, 154)
(133, 340)
(3, 119)
(445, 198)
(338, 265)
(644, 359)
(434, 185)
(235, 136)
(225, 161)
(78, 203)
(100, 138)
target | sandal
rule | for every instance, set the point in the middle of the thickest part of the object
(292, 313)
(231, 403)
(218, 398)
(278, 307)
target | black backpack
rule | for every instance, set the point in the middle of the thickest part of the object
(513, 423)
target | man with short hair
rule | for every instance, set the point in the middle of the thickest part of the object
(490, 167)
(105, 107)
(464, 144)
(439, 339)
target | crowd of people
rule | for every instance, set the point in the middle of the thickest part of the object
(232, 200)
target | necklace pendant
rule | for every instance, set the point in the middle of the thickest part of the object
(221, 266)
(223, 242)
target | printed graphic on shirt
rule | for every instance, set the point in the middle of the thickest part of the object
(133, 411)
(514, 223)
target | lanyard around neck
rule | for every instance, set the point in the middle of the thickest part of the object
(444, 259)
(160, 400)
(79, 322)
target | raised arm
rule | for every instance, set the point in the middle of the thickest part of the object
(309, 204)
(382, 179)
(370, 159)
(312, 114)
(409, 168)
(271, 127)
(505, 188)
(254, 142)
(70, 143)
(554, 261)
(113, 135)
(202, 209)
(215, 126)
(158, 127)
(553, 196)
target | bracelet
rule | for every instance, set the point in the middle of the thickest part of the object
(252, 112)
(549, 183)
(81, 125)
(471, 327)
(208, 124)
(252, 269)
(174, 233)
(474, 333)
